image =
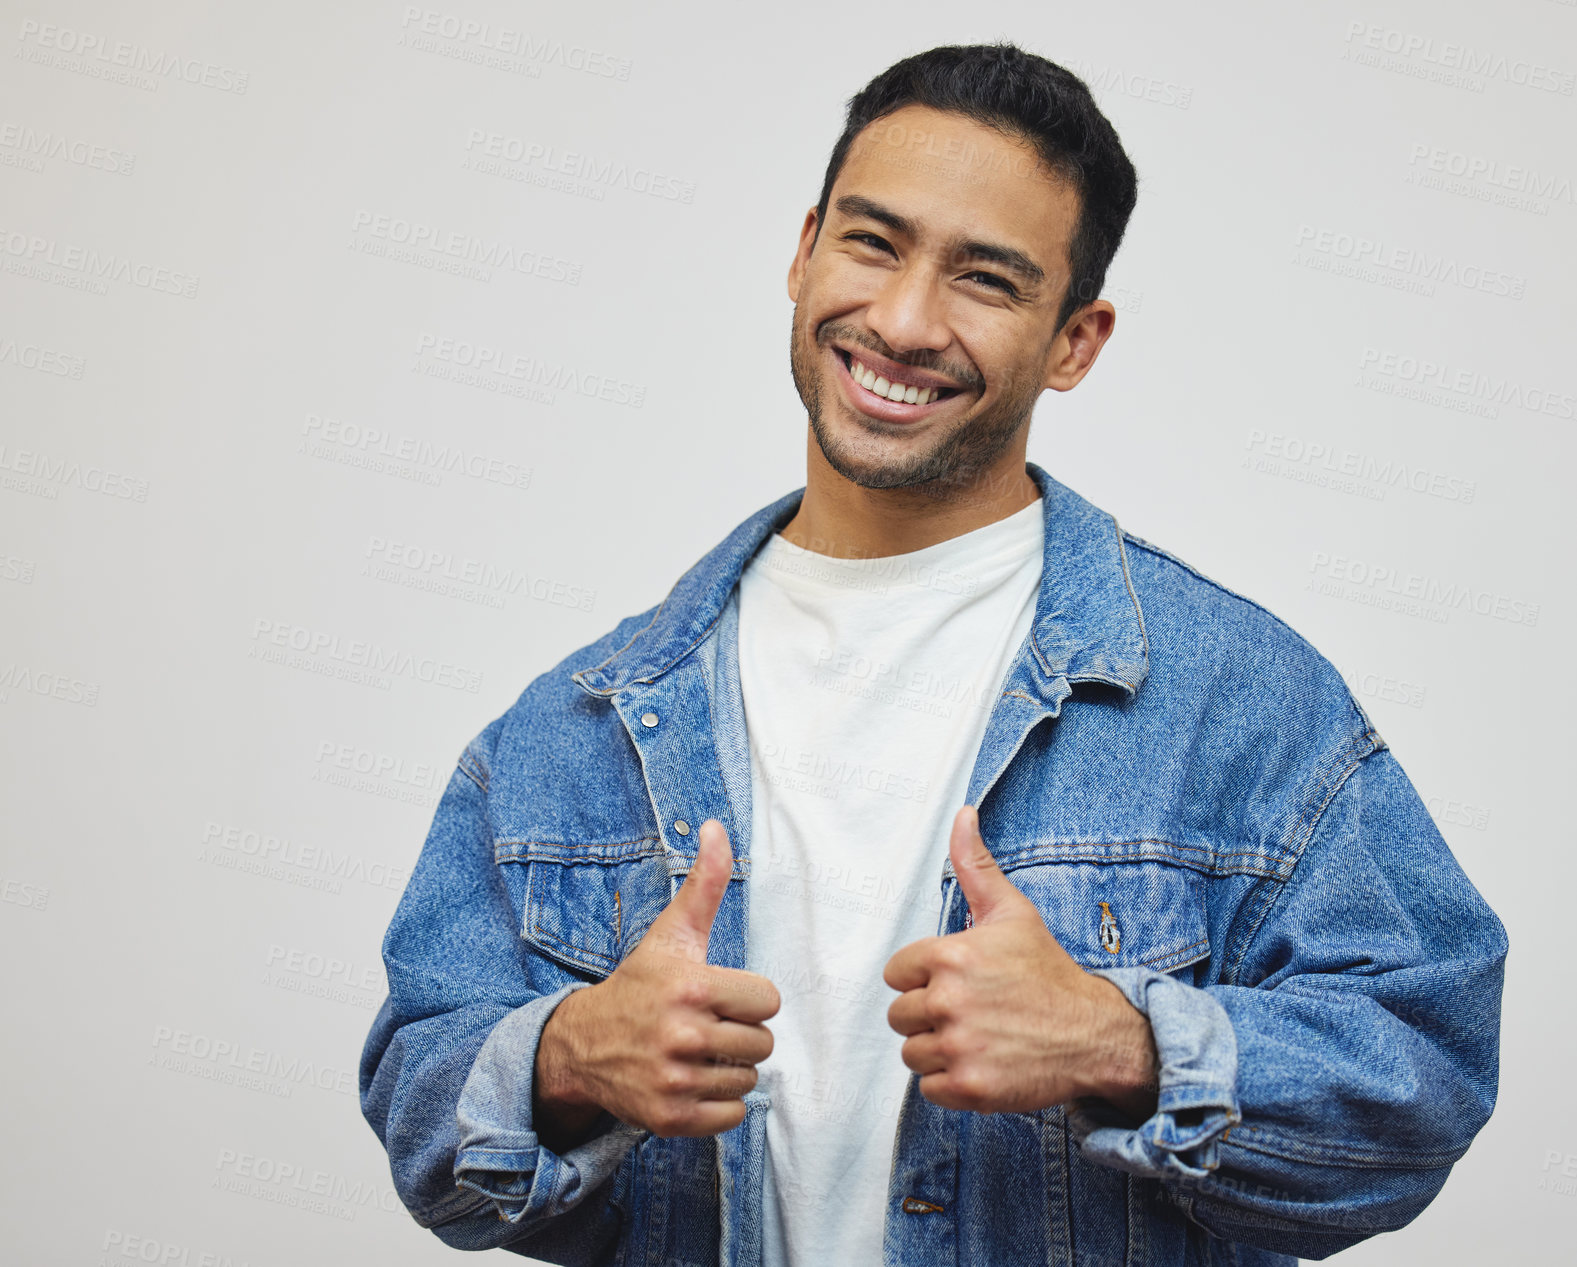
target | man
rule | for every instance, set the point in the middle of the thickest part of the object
(1188, 977)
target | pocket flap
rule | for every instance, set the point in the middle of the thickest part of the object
(1120, 914)
(588, 914)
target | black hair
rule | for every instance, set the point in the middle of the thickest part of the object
(1029, 99)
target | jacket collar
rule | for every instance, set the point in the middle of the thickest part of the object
(1088, 625)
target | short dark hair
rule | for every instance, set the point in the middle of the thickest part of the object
(1030, 99)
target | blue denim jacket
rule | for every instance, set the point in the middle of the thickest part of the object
(1185, 789)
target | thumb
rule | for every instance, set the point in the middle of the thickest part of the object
(687, 921)
(985, 888)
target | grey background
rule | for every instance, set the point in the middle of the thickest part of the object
(169, 507)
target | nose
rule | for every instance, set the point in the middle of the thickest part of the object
(907, 311)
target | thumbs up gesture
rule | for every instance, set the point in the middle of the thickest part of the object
(999, 1018)
(667, 1042)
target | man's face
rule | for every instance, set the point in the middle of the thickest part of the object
(924, 317)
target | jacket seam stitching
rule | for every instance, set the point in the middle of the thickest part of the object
(678, 659)
(479, 777)
(1337, 783)
(511, 850)
(1133, 595)
(1172, 954)
(614, 655)
(1261, 1140)
(450, 1208)
(1206, 855)
(539, 931)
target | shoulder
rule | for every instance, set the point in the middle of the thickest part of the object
(1191, 617)
(550, 702)
(1224, 665)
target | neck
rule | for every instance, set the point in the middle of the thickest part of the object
(840, 518)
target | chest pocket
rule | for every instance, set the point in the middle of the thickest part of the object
(586, 908)
(1121, 914)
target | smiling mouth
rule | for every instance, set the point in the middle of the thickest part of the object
(891, 391)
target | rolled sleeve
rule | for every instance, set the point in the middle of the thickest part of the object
(500, 1156)
(1196, 1102)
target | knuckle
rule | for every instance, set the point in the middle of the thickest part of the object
(673, 1080)
(941, 1003)
(970, 1088)
(668, 1120)
(675, 1037)
(691, 991)
(951, 954)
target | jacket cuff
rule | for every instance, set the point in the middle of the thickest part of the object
(1197, 1097)
(499, 1156)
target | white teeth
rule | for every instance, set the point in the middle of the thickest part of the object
(904, 392)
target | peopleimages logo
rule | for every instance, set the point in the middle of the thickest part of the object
(482, 145)
(119, 61)
(408, 457)
(1116, 81)
(280, 857)
(29, 255)
(472, 580)
(302, 1187)
(1300, 459)
(1373, 259)
(120, 1245)
(29, 471)
(235, 1063)
(32, 147)
(1458, 65)
(1413, 593)
(386, 234)
(1424, 377)
(282, 641)
(51, 685)
(516, 374)
(503, 47)
(1488, 179)
(32, 356)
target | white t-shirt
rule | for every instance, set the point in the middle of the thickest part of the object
(867, 685)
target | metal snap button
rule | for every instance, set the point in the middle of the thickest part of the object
(648, 719)
(682, 827)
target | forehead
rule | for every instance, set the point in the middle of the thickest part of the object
(952, 175)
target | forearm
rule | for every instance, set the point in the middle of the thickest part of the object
(1123, 1067)
(563, 1114)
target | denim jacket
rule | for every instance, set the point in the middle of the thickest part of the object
(1186, 790)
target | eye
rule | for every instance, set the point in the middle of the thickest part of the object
(993, 281)
(869, 239)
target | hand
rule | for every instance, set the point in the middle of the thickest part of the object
(999, 1018)
(668, 1042)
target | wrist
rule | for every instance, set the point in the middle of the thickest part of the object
(1123, 1067)
(556, 1080)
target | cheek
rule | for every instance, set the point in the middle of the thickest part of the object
(839, 286)
(1009, 370)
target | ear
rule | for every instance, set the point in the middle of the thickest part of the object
(1078, 343)
(807, 239)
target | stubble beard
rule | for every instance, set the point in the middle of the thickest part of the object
(951, 464)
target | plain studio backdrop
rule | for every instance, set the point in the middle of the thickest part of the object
(358, 362)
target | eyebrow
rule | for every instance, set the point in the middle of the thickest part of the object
(857, 207)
